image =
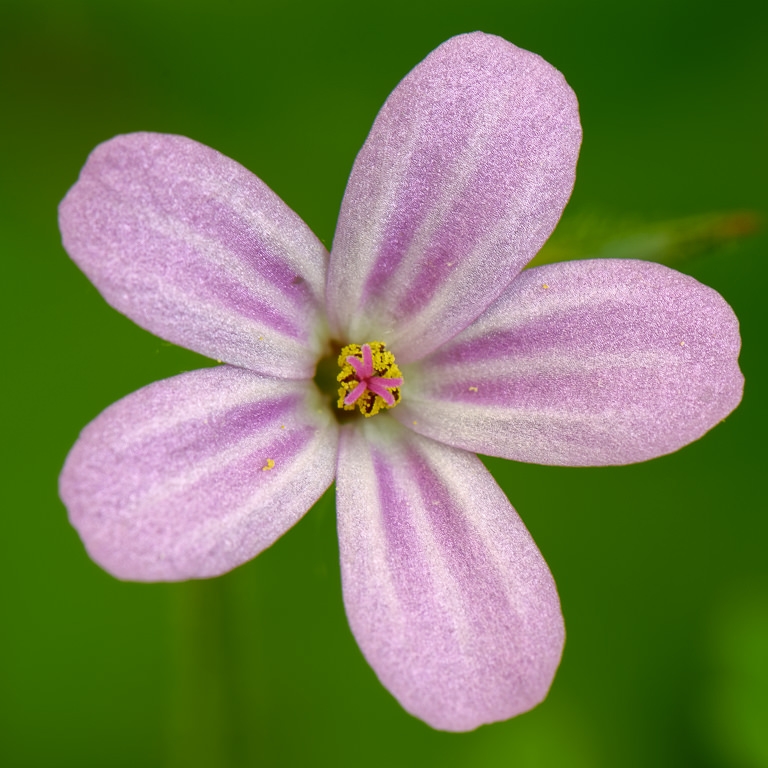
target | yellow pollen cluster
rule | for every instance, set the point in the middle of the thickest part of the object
(382, 380)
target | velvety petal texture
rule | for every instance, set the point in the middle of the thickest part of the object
(192, 476)
(193, 247)
(446, 593)
(464, 175)
(583, 363)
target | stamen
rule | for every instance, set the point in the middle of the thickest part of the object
(370, 379)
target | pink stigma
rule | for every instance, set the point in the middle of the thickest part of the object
(364, 371)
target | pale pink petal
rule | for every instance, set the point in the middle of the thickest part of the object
(463, 176)
(193, 247)
(450, 600)
(192, 476)
(591, 362)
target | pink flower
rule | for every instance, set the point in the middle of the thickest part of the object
(463, 177)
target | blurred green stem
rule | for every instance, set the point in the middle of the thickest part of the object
(205, 686)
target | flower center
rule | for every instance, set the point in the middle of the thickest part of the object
(369, 379)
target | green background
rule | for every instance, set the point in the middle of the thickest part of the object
(661, 567)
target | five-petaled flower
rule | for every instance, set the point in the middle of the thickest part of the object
(440, 346)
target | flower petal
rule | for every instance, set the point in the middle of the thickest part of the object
(446, 593)
(464, 174)
(193, 247)
(192, 476)
(583, 363)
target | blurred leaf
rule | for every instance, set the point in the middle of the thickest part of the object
(672, 242)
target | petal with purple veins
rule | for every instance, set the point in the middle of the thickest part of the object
(464, 175)
(195, 248)
(583, 363)
(446, 593)
(193, 476)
